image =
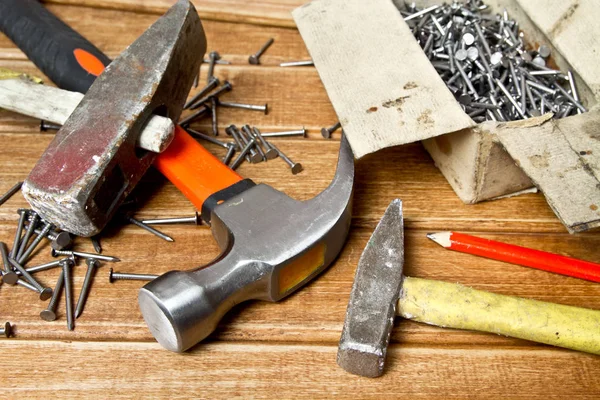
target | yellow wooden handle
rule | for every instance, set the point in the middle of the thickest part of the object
(455, 306)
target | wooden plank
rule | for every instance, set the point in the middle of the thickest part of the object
(140, 370)
(362, 55)
(561, 157)
(264, 12)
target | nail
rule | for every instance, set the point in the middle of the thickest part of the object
(264, 109)
(511, 99)
(307, 63)
(49, 314)
(295, 167)
(66, 265)
(219, 61)
(118, 276)
(254, 59)
(254, 156)
(212, 58)
(298, 132)
(12, 191)
(210, 139)
(34, 218)
(194, 116)
(82, 254)
(230, 152)
(149, 229)
(24, 258)
(43, 267)
(195, 220)
(15, 247)
(242, 155)
(7, 330)
(574, 91)
(270, 152)
(92, 265)
(48, 126)
(326, 132)
(96, 243)
(45, 292)
(213, 108)
(212, 83)
(4, 253)
(422, 12)
(247, 134)
(225, 87)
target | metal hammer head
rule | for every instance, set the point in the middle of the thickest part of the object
(93, 162)
(272, 245)
(374, 296)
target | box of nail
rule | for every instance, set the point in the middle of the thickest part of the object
(511, 64)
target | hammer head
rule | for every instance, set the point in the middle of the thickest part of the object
(372, 305)
(272, 245)
(93, 162)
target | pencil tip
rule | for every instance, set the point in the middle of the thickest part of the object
(441, 238)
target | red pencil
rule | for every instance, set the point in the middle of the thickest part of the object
(517, 255)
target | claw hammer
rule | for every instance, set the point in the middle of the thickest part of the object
(272, 245)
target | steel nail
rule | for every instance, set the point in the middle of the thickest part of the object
(213, 108)
(194, 116)
(326, 132)
(66, 265)
(48, 126)
(208, 138)
(242, 155)
(264, 109)
(7, 330)
(49, 314)
(270, 152)
(212, 58)
(12, 191)
(34, 218)
(149, 229)
(295, 167)
(82, 254)
(45, 292)
(254, 156)
(17, 241)
(298, 132)
(225, 87)
(92, 265)
(118, 276)
(307, 63)
(195, 220)
(247, 135)
(25, 256)
(4, 253)
(230, 153)
(212, 83)
(254, 59)
(96, 243)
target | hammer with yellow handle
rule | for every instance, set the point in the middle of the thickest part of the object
(380, 292)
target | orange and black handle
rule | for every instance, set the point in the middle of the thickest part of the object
(73, 63)
(66, 57)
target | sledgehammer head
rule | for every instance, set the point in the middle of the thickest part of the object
(272, 245)
(372, 305)
(93, 163)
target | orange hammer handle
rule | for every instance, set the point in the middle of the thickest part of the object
(194, 170)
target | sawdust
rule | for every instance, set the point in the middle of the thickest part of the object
(372, 110)
(593, 207)
(410, 85)
(540, 160)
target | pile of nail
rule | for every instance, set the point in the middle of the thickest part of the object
(30, 232)
(250, 144)
(484, 61)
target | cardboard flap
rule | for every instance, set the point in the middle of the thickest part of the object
(562, 158)
(381, 84)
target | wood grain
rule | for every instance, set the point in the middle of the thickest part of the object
(263, 12)
(285, 350)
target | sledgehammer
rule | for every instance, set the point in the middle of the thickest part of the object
(380, 292)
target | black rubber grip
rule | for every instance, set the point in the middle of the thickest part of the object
(62, 54)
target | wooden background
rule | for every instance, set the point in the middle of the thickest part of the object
(284, 350)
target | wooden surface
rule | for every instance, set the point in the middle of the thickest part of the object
(285, 350)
